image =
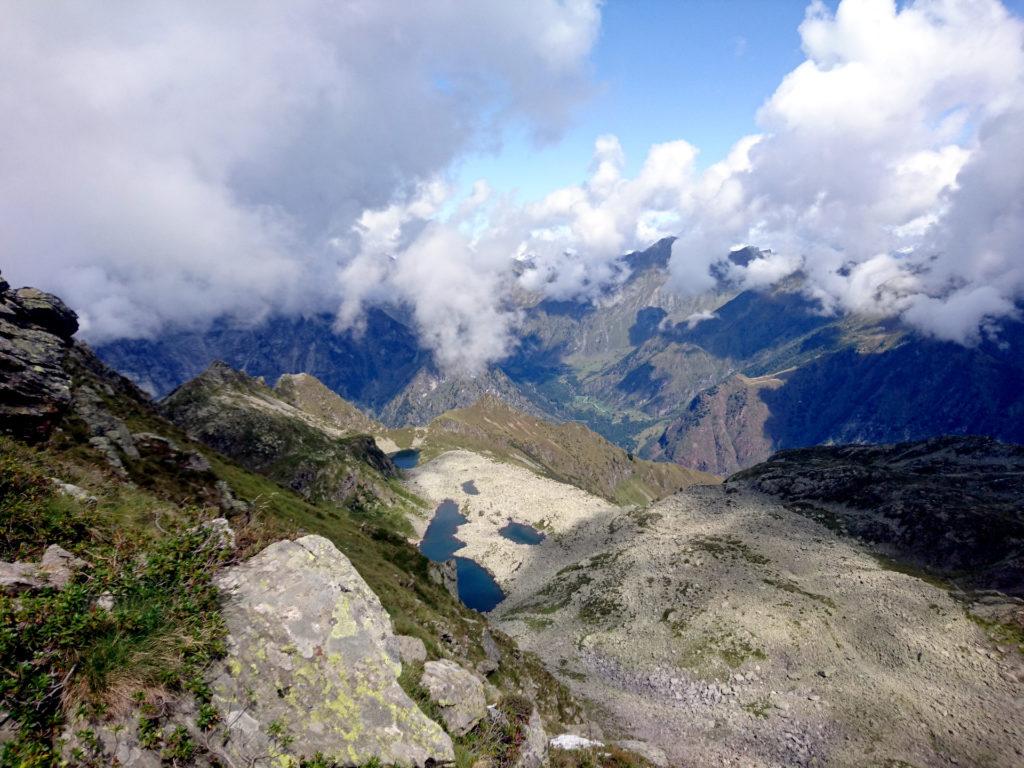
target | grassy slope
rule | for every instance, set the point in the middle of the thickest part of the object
(568, 452)
(160, 640)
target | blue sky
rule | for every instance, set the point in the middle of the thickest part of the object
(686, 69)
(663, 71)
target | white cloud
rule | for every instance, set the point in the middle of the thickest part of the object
(171, 162)
(168, 162)
(577, 234)
(888, 170)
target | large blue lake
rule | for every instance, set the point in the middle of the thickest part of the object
(477, 588)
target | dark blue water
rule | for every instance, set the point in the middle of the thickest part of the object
(521, 533)
(477, 588)
(470, 487)
(406, 459)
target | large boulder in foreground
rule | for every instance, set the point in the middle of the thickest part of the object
(312, 664)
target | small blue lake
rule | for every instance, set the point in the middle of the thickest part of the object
(521, 533)
(477, 588)
(406, 459)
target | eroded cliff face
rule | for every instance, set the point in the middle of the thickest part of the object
(36, 332)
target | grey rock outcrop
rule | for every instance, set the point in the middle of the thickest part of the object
(35, 336)
(447, 575)
(411, 649)
(312, 654)
(492, 651)
(55, 570)
(952, 504)
(533, 751)
(457, 692)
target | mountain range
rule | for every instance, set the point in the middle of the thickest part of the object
(715, 382)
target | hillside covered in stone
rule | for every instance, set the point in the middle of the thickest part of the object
(162, 605)
(568, 452)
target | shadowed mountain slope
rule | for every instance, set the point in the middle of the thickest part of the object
(954, 505)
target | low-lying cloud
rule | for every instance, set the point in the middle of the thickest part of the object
(165, 163)
(172, 163)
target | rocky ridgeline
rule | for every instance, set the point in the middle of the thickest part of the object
(305, 450)
(953, 504)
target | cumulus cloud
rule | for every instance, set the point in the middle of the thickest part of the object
(171, 162)
(888, 170)
(164, 163)
(576, 234)
(451, 279)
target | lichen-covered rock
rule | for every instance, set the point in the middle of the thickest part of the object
(533, 751)
(411, 649)
(47, 312)
(74, 491)
(458, 693)
(312, 664)
(58, 566)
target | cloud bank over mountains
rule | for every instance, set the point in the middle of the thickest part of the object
(167, 165)
(165, 162)
(887, 169)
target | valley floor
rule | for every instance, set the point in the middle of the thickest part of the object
(728, 630)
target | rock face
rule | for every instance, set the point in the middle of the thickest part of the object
(457, 692)
(722, 431)
(411, 649)
(446, 574)
(35, 336)
(313, 664)
(431, 393)
(244, 419)
(954, 504)
(533, 752)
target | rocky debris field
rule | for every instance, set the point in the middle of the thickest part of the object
(503, 492)
(726, 629)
